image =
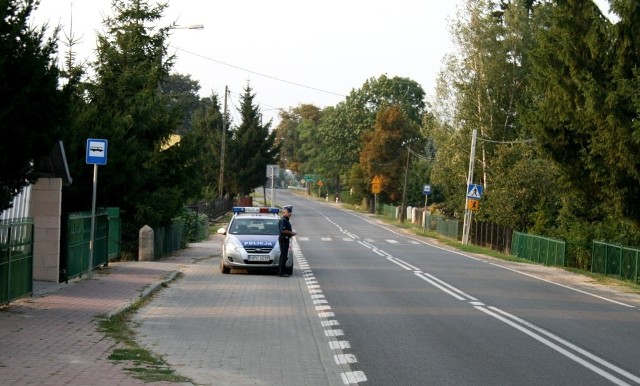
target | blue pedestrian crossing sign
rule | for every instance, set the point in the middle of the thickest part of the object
(97, 151)
(474, 191)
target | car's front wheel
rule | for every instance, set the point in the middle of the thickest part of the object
(224, 269)
(289, 270)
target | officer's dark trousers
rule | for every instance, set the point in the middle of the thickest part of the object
(284, 252)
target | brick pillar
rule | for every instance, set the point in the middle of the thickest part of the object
(46, 209)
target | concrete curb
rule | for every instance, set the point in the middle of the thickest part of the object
(146, 292)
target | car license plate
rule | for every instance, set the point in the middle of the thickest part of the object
(259, 258)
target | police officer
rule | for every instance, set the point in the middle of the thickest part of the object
(286, 232)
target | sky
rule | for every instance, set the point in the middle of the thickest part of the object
(290, 52)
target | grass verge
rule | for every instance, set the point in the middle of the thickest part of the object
(147, 366)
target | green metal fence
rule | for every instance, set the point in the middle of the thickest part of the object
(16, 259)
(168, 239)
(447, 227)
(115, 233)
(78, 239)
(539, 249)
(610, 259)
(388, 210)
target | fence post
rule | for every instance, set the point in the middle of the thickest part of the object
(146, 244)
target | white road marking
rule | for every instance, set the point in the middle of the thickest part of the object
(339, 344)
(565, 352)
(334, 332)
(400, 263)
(323, 311)
(353, 377)
(342, 359)
(391, 241)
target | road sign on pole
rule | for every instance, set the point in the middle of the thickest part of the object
(376, 185)
(96, 155)
(97, 151)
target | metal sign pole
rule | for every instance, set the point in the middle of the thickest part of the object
(93, 220)
(96, 155)
(468, 212)
(273, 186)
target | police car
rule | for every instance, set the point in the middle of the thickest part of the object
(251, 240)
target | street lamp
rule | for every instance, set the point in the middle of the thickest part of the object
(192, 26)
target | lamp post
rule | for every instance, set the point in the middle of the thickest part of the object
(192, 26)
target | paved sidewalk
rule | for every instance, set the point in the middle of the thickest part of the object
(53, 338)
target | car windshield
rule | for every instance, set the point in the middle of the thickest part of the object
(255, 226)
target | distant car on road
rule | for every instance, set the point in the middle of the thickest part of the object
(251, 240)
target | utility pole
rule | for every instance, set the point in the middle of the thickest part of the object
(222, 144)
(404, 189)
(468, 213)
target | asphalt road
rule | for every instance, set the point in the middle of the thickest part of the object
(372, 305)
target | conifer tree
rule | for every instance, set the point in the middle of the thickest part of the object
(252, 149)
(31, 105)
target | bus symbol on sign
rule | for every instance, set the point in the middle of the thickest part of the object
(97, 151)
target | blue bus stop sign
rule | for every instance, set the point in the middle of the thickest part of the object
(97, 151)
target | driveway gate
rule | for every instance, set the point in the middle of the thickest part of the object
(16, 259)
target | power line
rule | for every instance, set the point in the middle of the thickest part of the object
(507, 142)
(259, 74)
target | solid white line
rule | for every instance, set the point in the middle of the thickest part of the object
(378, 252)
(413, 268)
(365, 244)
(450, 286)
(572, 346)
(399, 263)
(555, 347)
(494, 264)
(564, 286)
(437, 285)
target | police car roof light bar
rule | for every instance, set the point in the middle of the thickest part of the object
(254, 209)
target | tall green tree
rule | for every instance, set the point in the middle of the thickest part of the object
(32, 107)
(483, 86)
(183, 97)
(342, 128)
(126, 106)
(296, 135)
(207, 123)
(384, 152)
(586, 69)
(252, 148)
